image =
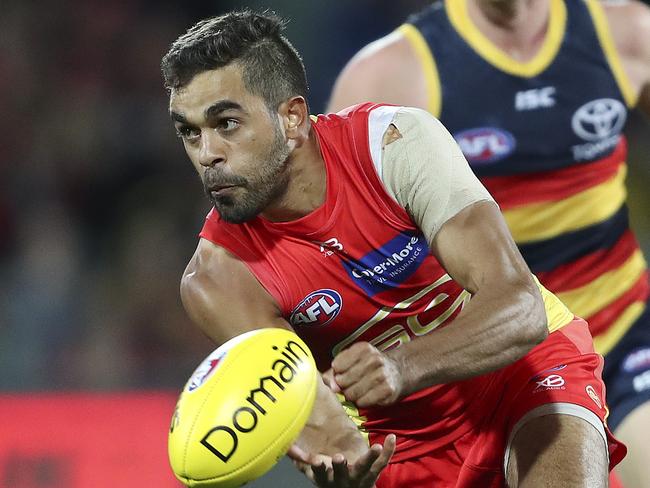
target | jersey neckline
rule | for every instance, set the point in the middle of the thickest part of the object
(323, 217)
(486, 49)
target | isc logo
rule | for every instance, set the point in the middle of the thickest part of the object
(318, 308)
(535, 98)
(485, 144)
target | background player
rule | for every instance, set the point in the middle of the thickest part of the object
(536, 93)
(306, 234)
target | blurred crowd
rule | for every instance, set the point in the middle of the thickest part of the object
(99, 208)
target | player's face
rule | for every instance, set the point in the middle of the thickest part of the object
(234, 142)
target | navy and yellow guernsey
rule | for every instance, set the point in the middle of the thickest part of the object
(544, 136)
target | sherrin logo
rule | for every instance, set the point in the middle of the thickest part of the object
(318, 308)
(204, 371)
(484, 145)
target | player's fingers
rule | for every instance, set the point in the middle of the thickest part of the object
(361, 468)
(387, 451)
(328, 379)
(351, 356)
(323, 474)
(373, 392)
(340, 470)
(297, 454)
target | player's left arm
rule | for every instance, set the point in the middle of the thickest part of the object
(505, 317)
(629, 23)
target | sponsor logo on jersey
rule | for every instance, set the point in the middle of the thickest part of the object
(318, 308)
(550, 382)
(205, 370)
(600, 123)
(535, 99)
(390, 265)
(638, 360)
(330, 246)
(593, 395)
(485, 145)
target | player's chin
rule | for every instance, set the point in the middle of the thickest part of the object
(232, 212)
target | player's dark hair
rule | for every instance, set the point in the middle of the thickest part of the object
(271, 67)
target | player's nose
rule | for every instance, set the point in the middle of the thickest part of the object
(212, 149)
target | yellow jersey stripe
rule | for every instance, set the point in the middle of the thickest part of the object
(541, 221)
(606, 341)
(353, 413)
(557, 313)
(429, 68)
(459, 18)
(609, 48)
(589, 299)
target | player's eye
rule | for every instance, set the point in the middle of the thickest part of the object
(188, 134)
(228, 125)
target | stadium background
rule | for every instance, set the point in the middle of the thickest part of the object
(99, 212)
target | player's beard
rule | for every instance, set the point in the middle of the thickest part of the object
(253, 194)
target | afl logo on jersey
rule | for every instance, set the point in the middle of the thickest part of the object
(318, 308)
(485, 145)
(638, 360)
(599, 119)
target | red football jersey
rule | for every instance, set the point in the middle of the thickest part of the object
(358, 269)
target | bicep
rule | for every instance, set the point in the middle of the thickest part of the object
(477, 249)
(222, 296)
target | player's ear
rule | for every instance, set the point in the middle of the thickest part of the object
(295, 118)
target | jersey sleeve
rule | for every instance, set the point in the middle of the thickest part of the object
(426, 172)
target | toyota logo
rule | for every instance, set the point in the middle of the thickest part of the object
(599, 119)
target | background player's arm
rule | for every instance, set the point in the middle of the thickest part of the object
(629, 23)
(428, 175)
(387, 71)
(224, 299)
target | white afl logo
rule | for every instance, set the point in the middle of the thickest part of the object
(599, 119)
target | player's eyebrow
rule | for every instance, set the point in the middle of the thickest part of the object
(178, 117)
(221, 106)
(210, 112)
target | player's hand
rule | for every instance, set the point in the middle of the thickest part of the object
(366, 376)
(337, 472)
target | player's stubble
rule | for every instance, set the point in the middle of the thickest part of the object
(269, 181)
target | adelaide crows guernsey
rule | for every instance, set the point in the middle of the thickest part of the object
(545, 138)
(358, 269)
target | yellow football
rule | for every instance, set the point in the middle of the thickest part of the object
(242, 408)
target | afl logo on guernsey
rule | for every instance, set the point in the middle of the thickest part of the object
(638, 360)
(485, 145)
(318, 308)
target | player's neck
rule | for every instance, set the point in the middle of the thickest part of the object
(307, 185)
(518, 27)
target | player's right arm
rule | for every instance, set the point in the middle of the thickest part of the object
(385, 71)
(629, 23)
(221, 295)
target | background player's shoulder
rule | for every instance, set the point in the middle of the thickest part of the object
(629, 22)
(385, 71)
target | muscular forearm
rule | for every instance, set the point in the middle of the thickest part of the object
(496, 328)
(330, 431)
